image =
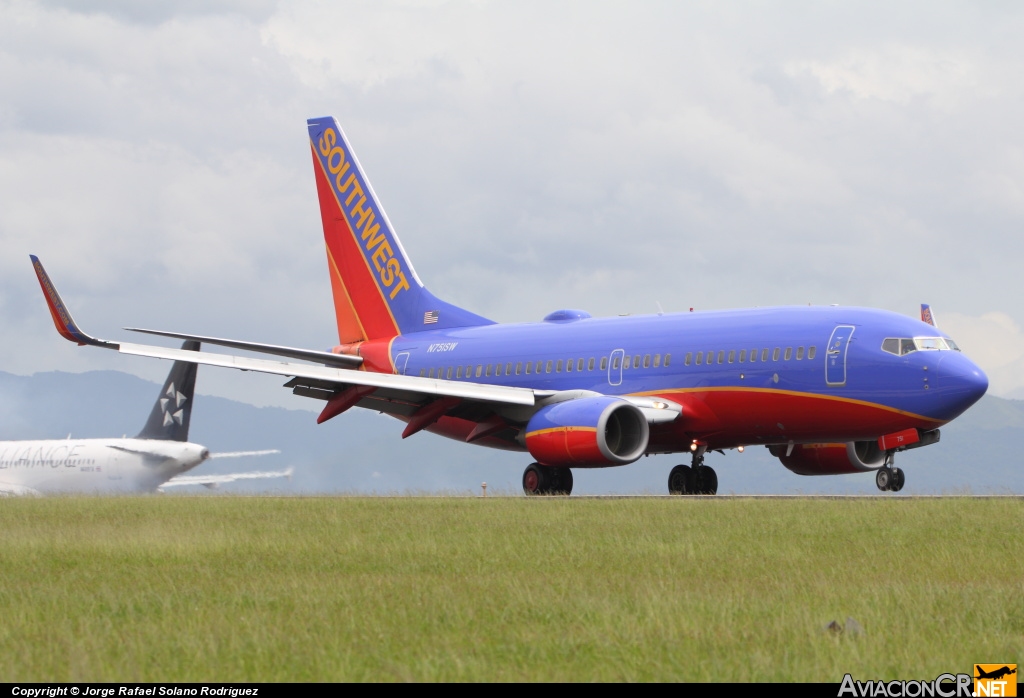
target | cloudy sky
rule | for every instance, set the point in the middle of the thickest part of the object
(532, 156)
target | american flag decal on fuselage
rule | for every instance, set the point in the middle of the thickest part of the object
(430, 317)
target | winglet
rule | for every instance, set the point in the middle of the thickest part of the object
(62, 319)
(926, 314)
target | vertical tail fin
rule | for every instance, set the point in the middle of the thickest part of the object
(173, 408)
(376, 291)
(927, 315)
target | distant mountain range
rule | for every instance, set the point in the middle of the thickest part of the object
(362, 452)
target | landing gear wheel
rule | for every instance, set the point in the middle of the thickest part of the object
(883, 479)
(533, 480)
(561, 482)
(898, 480)
(707, 480)
(539, 479)
(680, 480)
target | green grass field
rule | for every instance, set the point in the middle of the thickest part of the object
(312, 589)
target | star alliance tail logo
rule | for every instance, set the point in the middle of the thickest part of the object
(173, 401)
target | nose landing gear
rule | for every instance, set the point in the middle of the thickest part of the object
(693, 479)
(889, 478)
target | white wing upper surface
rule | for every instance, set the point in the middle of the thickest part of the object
(213, 481)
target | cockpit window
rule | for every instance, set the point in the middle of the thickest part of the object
(930, 344)
(901, 346)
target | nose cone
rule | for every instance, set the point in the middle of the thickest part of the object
(960, 382)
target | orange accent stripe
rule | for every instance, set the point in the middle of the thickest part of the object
(350, 329)
(794, 393)
(550, 430)
(394, 330)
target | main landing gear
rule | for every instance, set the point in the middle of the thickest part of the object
(693, 479)
(540, 479)
(889, 478)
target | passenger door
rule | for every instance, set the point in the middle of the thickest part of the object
(835, 356)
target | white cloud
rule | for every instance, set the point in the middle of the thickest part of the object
(531, 155)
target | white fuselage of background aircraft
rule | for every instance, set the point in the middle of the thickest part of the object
(94, 465)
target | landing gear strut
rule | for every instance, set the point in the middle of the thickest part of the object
(540, 479)
(889, 478)
(693, 479)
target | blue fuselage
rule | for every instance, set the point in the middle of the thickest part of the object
(825, 363)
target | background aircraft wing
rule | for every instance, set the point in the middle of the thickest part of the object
(242, 454)
(9, 490)
(212, 481)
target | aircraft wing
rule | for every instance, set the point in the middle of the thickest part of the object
(213, 481)
(243, 454)
(419, 401)
(9, 490)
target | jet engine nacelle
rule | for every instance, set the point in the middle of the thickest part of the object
(588, 431)
(831, 459)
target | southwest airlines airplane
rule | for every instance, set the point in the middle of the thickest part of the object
(153, 460)
(827, 389)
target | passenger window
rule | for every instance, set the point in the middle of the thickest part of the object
(604, 363)
(657, 360)
(732, 356)
(497, 369)
(590, 364)
(430, 373)
(721, 357)
(764, 355)
(647, 360)
(448, 374)
(547, 367)
(615, 362)
(579, 365)
(558, 366)
(810, 352)
(743, 356)
(668, 357)
(568, 366)
(688, 358)
(753, 355)
(799, 353)
(700, 358)
(423, 372)
(519, 367)
(458, 371)
(636, 361)
(538, 366)
(487, 372)
(789, 354)
(479, 369)
(709, 357)
(775, 354)
(529, 366)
